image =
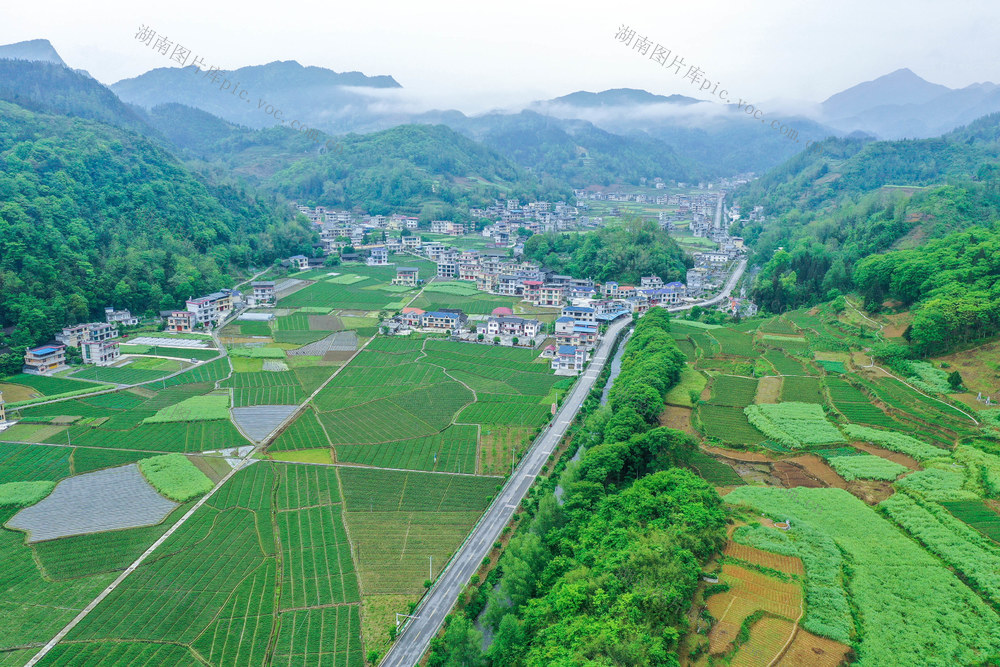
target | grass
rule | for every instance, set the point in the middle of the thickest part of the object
(175, 477)
(304, 456)
(194, 409)
(23, 494)
(691, 382)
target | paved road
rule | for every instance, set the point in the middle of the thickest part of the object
(734, 278)
(429, 616)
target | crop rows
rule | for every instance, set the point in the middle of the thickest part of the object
(318, 569)
(733, 390)
(507, 414)
(183, 437)
(892, 579)
(303, 433)
(47, 386)
(802, 389)
(897, 442)
(452, 450)
(119, 375)
(373, 490)
(977, 514)
(715, 471)
(28, 463)
(734, 342)
(329, 637)
(727, 424)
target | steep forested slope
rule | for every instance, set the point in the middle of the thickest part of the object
(91, 216)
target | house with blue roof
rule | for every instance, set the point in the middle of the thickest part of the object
(45, 360)
(569, 360)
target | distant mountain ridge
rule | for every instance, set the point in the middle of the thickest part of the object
(32, 49)
(617, 97)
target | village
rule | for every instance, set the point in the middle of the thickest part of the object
(495, 266)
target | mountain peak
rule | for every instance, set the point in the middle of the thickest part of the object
(32, 49)
(619, 97)
(899, 87)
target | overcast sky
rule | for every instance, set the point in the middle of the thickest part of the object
(474, 55)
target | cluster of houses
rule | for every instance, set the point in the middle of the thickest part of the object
(96, 341)
(339, 229)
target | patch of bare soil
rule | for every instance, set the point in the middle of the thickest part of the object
(870, 491)
(819, 469)
(676, 417)
(768, 389)
(737, 455)
(792, 476)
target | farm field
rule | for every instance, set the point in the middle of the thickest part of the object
(890, 576)
(213, 590)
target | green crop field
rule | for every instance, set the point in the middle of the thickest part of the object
(793, 424)
(891, 579)
(866, 466)
(733, 391)
(727, 424)
(715, 471)
(977, 514)
(451, 450)
(734, 343)
(196, 408)
(120, 374)
(49, 386)
(400, 521)
(786, 365)
(213, 589)
(802, 389)
(303, 433)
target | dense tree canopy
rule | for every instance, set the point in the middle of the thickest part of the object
(93, 216)
(621, 250)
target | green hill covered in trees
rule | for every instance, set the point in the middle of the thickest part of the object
(827, 209)
(92, 215)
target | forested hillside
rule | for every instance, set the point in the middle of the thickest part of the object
(622, 251)
(828, 208)
(410, 168)
(92, 216)
(952, 284)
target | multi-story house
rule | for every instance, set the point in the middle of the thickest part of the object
(378, 256)
(406, 275)
(212, 308)
(263, 292)
(551, 295)
(101, 353)
(411, 243)
(180, 321)
(650, 282)
(569, 359)
(78, 334)
(122, 317)
(445, 320)
(579, 313)
(299, 262)
(447, 268)
(499, 325)
(45, 359)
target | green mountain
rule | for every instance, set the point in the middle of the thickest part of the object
(828, 208)
(414, 168)
(576, 151)
(92, 215)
